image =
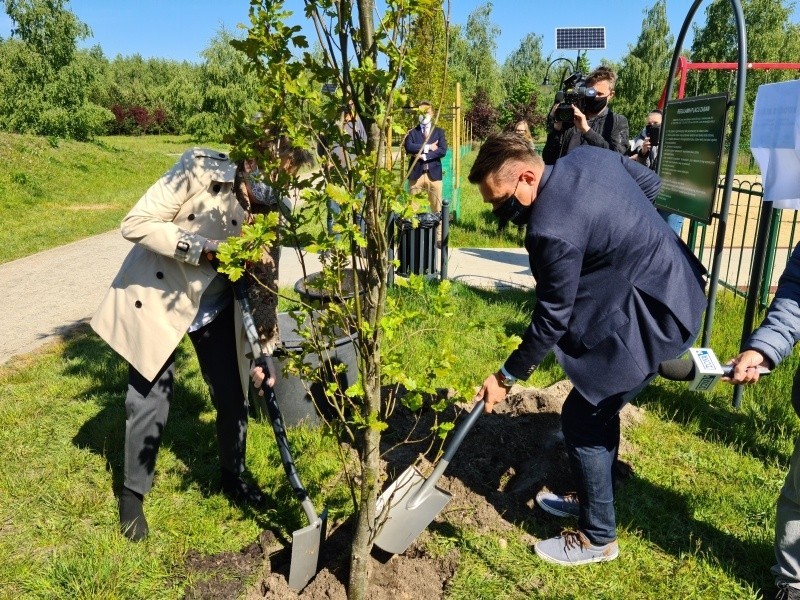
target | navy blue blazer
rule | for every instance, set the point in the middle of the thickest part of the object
(617, 292)
(414, 144)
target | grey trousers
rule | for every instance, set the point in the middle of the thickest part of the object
(147, 404)
(787, 526)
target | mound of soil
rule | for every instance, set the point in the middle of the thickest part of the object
(505, 460)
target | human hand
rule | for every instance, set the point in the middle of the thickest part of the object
(258, 376)
(434, 146)
(491, 392)
(210, 248)
(745, 370)
(645, 148)
(579, 119)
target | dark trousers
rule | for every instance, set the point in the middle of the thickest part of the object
(147, 404)
(591, 433)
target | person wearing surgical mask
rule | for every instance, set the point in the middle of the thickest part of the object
(425, 145)
(594, 123)
(617, 293)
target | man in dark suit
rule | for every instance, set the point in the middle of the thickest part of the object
(617, 292)
(425, 146)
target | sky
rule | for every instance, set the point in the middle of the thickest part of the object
(181, 29)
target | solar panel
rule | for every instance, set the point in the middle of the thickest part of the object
(580, 38)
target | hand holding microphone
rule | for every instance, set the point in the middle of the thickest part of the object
(748, 367)
(703, 371)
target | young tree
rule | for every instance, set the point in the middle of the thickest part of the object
(301, 95)
(644, 69)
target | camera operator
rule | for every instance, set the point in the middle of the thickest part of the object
(593, 122)
(645, 146)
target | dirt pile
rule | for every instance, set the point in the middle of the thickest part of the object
(505, 460)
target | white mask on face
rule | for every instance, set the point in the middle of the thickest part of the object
(425, 119)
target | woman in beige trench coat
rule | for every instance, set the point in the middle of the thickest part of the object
(166, 288)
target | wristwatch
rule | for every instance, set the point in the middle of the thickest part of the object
(506, 382)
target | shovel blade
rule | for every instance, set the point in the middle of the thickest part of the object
(305, 552)
(398, 525)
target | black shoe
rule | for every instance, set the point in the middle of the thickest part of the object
(241, 492)
(132, 523)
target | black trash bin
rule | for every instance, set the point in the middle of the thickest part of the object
(296, 398)
(416, 248)
(311, 292)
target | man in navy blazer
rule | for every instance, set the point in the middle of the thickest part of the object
(425, 146)
(617, 293)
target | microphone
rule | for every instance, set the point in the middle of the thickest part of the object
(703, 371)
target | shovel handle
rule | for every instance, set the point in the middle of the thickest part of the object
(275, 416)
(458, 437)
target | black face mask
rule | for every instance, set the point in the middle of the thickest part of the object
(595, 105)
(512, 210)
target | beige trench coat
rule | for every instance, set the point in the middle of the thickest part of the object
(156, 294)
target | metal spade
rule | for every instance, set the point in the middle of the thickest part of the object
(306, 541)
(411, 502)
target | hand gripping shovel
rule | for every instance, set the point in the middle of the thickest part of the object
(409, 504)
(305, 541)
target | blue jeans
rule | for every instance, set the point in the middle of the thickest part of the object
(591, 433)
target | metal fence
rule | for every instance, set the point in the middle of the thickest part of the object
(738, 249)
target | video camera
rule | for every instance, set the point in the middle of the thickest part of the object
(572, 93)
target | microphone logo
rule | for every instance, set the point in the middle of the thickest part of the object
(707, 360)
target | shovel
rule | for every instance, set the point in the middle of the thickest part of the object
(410, 503)
(306, 541)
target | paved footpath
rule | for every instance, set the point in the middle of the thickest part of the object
(45, 295)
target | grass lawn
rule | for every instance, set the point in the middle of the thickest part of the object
(695, 521)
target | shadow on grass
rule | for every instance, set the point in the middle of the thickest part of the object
(507, 458)
(751, 431)
(191, 439)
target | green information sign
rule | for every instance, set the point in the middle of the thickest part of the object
(690, 155)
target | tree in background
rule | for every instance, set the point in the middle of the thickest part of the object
(526, 62)
(48, 28)
(151, 95)
(44, 78)
(428, 49)
(226, 87)
(771, 37)
(645, 67)
(472, 55)
(522, 103)
(522, 73)
(482, 116)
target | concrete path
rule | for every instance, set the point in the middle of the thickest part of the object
(45, 295)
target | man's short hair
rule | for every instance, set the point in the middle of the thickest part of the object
(602, 73)
(498, 150)
(425, 103)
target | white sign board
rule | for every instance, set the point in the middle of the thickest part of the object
(775, 142)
